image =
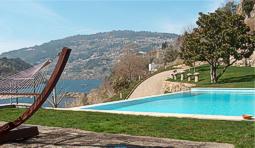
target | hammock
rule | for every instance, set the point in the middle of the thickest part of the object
(20, 84)
(25, 83)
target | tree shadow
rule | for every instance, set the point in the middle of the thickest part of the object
(63, 138)
(246, 78)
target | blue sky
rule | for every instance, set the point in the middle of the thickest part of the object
(25, 23)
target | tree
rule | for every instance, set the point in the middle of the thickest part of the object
(219, 37)
(129, 68)
(248, 6)
(188, 49)
(170, 53)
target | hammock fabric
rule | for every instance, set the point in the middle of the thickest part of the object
(25, 83)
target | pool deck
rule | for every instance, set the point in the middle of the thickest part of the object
(206, 117)
(67, 137)
(195, 116)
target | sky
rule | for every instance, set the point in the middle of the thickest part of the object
(25, 23)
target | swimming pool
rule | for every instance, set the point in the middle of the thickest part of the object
(197, 101)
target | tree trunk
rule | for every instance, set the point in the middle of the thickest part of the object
(213, 74)
(246, 62)
(194, 66)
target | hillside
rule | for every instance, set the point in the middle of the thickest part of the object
(11, 66)
(92, 55)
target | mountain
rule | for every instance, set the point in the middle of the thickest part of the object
(93, 55)
(12, 66)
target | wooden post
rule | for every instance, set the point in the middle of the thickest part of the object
(11, 91)
(196, 76)
(189, 77)
(54, 98)
(17, 99)
(121, 95)
(182, 76)
(34, 88)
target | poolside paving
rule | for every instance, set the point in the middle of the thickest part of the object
(67, 137)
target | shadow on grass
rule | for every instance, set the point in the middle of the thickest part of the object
(246, 78)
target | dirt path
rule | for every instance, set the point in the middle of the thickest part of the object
(152, 85)
(66, 137)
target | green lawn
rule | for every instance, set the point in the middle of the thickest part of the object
(241, 134)
(234, 77)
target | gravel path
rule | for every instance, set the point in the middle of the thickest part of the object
(152, 85)
(66, 137)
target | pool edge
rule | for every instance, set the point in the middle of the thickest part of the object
(155, 114)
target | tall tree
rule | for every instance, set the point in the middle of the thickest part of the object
(188, 48)
(219, 37)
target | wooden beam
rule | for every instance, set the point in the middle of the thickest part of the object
(19, 134)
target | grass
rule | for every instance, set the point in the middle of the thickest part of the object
(234, 77)
(241, 134)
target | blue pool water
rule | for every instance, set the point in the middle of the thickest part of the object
(232, 102)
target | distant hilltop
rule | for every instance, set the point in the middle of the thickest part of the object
(11, 66)
(93, 55)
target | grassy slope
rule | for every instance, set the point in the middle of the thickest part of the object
(241, 134)
(235, 77)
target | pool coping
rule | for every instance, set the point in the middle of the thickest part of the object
(155, 114)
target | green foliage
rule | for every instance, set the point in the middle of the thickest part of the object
(170, 53)
(239, 133)
(248, 6)
(189, 49)
(219, 36)
(119, 83)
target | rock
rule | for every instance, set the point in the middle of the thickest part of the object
(97, 96)
(169, 87)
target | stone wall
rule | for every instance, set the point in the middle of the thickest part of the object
(169, 87)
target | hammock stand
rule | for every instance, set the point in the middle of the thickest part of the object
(9, 131)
